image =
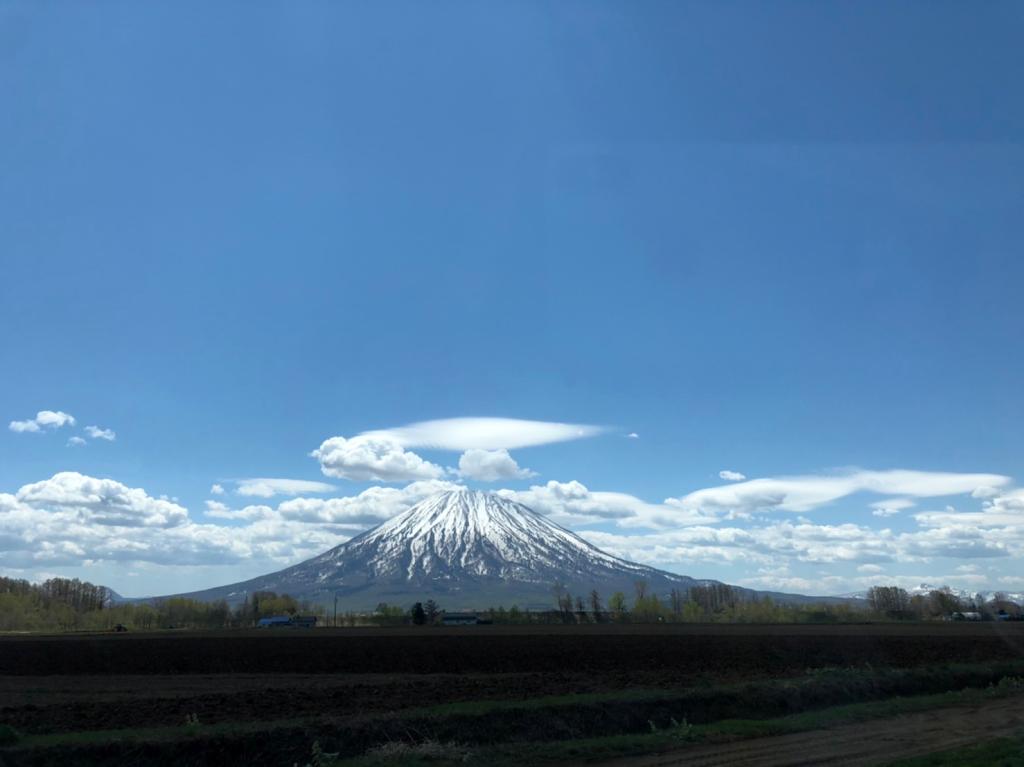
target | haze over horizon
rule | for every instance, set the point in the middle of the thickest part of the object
(738, 306)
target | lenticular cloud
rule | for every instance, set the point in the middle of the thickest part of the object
(484, 433)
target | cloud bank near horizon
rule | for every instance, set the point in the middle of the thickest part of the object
(74, 520)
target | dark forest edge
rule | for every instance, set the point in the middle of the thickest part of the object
(61, 604)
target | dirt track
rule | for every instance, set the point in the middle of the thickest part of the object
(867, 743)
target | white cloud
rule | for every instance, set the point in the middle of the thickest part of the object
(97, 433)
(893, 504)
(223, 511)
(368, 508)
(1003, 511)
(100, 501)
(574, 503)
(804, 493)
(75, 520)
(51, 419)
(890, 507)
(732, 476)
(884, 512)
(372, 458)
(267, 487)
(985, 492)
(483, 433)
(217, 489)
(633, 435)
(215, 507)
(491, 465)
(54, 419)
(72, 519)
(76, 442)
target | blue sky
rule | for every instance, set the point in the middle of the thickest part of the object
(777, 240)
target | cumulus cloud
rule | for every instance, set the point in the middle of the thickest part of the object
(101, 501)
(73, 520)
(1002, 511)
(491, 465)
(574, 503)
(215, 507)
(97, 433)
(267, 487)
(483, 433)
(633, 435)
(217, 489)
(368, 508)
(805, 493)
(732, 476)
(76, 442)
(50, 419)
(372, 458)
(221, 510)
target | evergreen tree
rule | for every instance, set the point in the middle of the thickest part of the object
(419, 617)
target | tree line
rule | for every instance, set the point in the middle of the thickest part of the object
(898, 604)
(62, 604)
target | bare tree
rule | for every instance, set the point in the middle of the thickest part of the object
(889, 600)
(677, 601)
(431, 610)
(640, 587)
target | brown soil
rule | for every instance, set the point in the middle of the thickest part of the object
(496, 650)
(867, 743)
(68, 683)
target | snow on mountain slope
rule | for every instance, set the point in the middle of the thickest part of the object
(472, 533)
(463, 548)
(965, 594)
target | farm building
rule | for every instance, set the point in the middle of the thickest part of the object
(288, 621)
(459, 619)
(276, 621)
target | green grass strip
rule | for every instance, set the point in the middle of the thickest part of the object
(685, 735)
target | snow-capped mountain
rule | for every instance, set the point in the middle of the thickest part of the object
(966, 595)
(464, 549)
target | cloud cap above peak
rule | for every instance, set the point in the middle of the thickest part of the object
(484, 433)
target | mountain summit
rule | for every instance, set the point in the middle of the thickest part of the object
(465, 549)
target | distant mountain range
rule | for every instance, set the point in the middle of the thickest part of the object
(925, 588)
(466, 549)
